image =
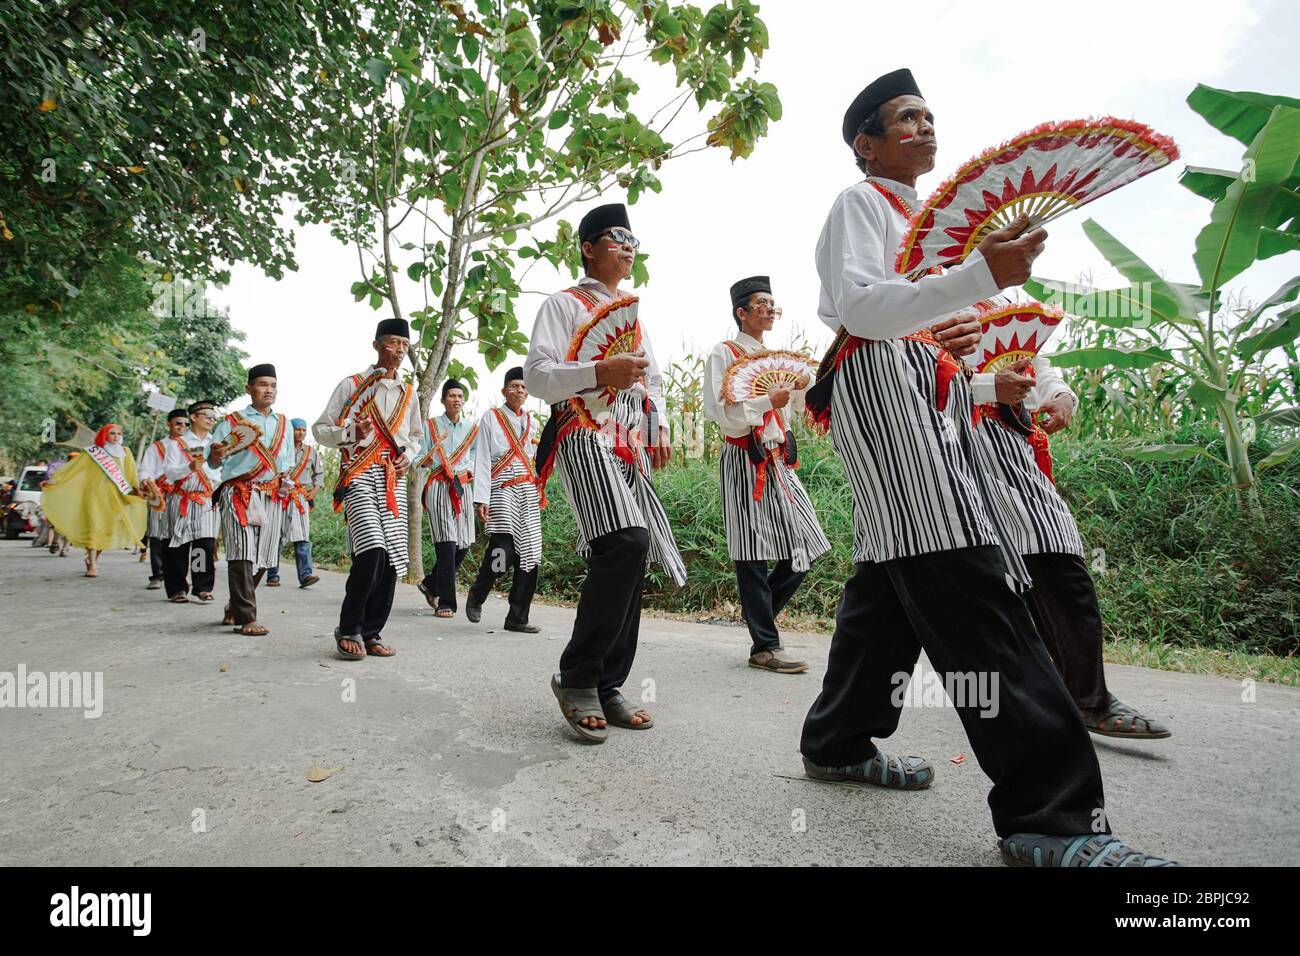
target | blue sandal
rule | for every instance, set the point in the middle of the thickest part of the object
(883, 770)
(1100, 849)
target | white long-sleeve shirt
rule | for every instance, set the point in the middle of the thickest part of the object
(739, 419)
(554, 379)
(860, 289)
(492, 443)
(409, 433)
(1048, 384)
(176, 466)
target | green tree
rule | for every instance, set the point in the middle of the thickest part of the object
(1254, 216)
(478, 123)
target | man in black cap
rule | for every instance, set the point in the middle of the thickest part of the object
(449, 443)
(374, 419)
(192, 511)
(766, 513)
(508, 501)
(154, 481)
(933, 568)
(249, 495)
(604, 467)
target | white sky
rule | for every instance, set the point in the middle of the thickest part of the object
(988, 71)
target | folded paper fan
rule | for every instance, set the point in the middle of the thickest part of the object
(753, 376)
(1043, 173)
(1012, 333)
(242, 434)
(612, 330)
(82, 439)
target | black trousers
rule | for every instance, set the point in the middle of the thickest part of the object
(441, 580)
(368, 598)
(198, 557)
(603, 645)
(762, 596)
(499, 557)
(158, 548)
(243, 590)
(1063, 602)
(956, 605)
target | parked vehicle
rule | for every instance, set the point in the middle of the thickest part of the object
(22, 511)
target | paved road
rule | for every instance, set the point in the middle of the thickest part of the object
(454, 751)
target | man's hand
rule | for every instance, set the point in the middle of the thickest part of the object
(482, 512)
(362, 429)
(310, 494)
(780, 397)
(1011, 255)
(1056, 414)
(959, 334)
(662, 450)
(401, 465)
(216, 453)
(621, 371)
(1012, 385)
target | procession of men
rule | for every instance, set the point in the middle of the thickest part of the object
(962, 546)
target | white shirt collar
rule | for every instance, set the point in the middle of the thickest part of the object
(597, 284)
(904, 190)
(746, 339)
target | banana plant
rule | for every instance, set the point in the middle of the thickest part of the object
(1253, 217)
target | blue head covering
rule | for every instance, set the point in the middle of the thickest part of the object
(297, 423)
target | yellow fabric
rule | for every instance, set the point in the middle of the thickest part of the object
(83, 503)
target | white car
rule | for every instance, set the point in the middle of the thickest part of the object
(22, 515)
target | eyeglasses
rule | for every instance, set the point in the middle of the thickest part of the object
(622, 237)
(765, 306)
(182, 422)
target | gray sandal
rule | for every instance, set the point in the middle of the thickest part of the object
(883, 770)
(619, 712)
(578, 703)
(1118, 719)
(339, 638)
(1099, 850)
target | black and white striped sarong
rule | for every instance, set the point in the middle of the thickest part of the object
(517, 511)
(1042, 522)
(444, 523)
(780, 526)
(607, 494)
(159, 524)
(259, 544)
(201, 519)
(369, 522)
(297, 524)
(919, 482)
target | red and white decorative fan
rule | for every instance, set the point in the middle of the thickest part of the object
(753, 376)
(1043, 173)
(612, 330)
(242, 435)
(1011, 333)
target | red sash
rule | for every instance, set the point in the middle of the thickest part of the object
(517, 452)
(296, 489)
(1032, 433)
(200, 496)
(446, 469)
(242, 485)
(382, 446)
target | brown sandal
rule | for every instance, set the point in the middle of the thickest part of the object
(444, 612)
(253, 629)
(377, 648)
(179, 599)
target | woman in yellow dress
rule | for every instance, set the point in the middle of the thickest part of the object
(95, 499)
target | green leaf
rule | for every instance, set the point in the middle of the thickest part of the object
(1282, 331)
(377, 70)
(1279, 455)
(1206, 182)
(1240, 115)
(1165, 297)
(558, 119)
(1111, 357)
(1169, 452)
(1230, 243)
(1118, 308)
(1288, 417)
(1273, 242)
(1286, 293)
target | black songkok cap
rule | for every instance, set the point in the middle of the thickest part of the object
(878, 91)
(601, 218)
(201, 404)
(258, 371)
(742, 290)
(393, 327)
(181, 412)
(515, 373)
(451, 383)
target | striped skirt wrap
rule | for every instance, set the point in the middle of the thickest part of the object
(1042, 522)
(297, 525)
(201, 520)
(444, 523)
(781, 526)
(369, 522)
(607, 494)
(159, 521)
(516, 511)
(259, 544)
